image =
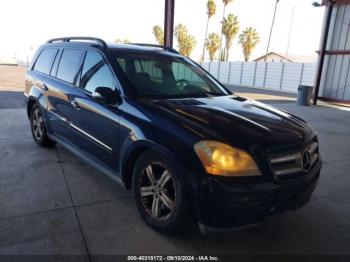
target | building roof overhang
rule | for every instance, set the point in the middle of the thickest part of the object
(336, 2)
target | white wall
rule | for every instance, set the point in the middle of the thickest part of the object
(270, 75)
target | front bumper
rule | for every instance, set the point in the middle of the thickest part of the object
(237, 205)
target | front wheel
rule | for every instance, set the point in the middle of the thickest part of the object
(38, 128)
(160, 193)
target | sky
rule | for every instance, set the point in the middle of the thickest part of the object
(27, 24)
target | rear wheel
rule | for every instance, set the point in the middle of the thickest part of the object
(160, 193)
(38, 128)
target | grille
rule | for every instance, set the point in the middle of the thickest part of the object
(290, 164)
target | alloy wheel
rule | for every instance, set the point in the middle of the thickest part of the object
(38, 124)
(157, 191)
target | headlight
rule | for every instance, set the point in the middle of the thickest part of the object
(223, 160)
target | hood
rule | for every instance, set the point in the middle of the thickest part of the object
(235, 119)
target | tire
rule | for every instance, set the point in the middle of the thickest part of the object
(170, 216)
(38, 128)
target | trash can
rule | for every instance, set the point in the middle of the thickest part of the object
(304, 95)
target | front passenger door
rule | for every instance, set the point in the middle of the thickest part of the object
(98, 123)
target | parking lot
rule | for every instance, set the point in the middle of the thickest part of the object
(53, 203)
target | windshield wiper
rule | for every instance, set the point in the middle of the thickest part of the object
(214, 94)
(205, 94)
(189, 95)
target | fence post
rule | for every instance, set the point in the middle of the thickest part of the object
(218, 77)
(282, 75)
(301, 73)
(229, 72)
(256, 65)
(240, 78)
(265, 74)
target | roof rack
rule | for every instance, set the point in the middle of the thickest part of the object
(167, 48)
(68, 39)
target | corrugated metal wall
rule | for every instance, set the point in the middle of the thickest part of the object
(335, 82)
(271, 75)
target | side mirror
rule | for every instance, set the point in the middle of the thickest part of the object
(106, 95)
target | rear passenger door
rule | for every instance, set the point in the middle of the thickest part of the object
(64, 72)
(97, 122)
(38, 80)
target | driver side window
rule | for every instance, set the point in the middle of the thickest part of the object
(96, 73)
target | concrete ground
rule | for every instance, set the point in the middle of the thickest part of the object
(53, 203)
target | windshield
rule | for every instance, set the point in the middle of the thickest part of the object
(158, 75)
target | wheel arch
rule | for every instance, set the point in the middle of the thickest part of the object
(137, 149)
(30, 104)
(35, 95)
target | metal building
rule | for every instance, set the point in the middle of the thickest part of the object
(333, 78)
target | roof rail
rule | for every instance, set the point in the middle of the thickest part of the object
(68, 39)
(167, 48)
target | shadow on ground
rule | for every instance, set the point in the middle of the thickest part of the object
(53, 203)
(11, 99)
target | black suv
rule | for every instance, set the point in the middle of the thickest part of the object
(160, 124)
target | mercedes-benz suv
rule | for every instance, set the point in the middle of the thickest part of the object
(161, 125)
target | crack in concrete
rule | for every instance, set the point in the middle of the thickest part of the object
(74, 208)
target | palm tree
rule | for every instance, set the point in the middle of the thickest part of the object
(226, 3)
(189, 44)
(212, 43)
(211, 9)
(180, 31)
(159, 34)
(180, 34)
(230, 27)
(249, 38)
(186, 42)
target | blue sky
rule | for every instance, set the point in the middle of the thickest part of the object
(30, 23)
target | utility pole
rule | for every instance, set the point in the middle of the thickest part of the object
(223, 17)
(290, 33)
(273, 22)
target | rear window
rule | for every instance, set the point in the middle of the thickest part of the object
(44, 62)
(69, 65)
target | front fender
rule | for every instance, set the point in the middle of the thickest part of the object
(135, 149)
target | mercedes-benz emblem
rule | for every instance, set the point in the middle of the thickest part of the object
(306, 161)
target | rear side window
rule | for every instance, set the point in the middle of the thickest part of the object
(69, 65)
(44, 62)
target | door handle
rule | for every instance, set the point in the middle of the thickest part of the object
(75, 104)
(45, 87)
